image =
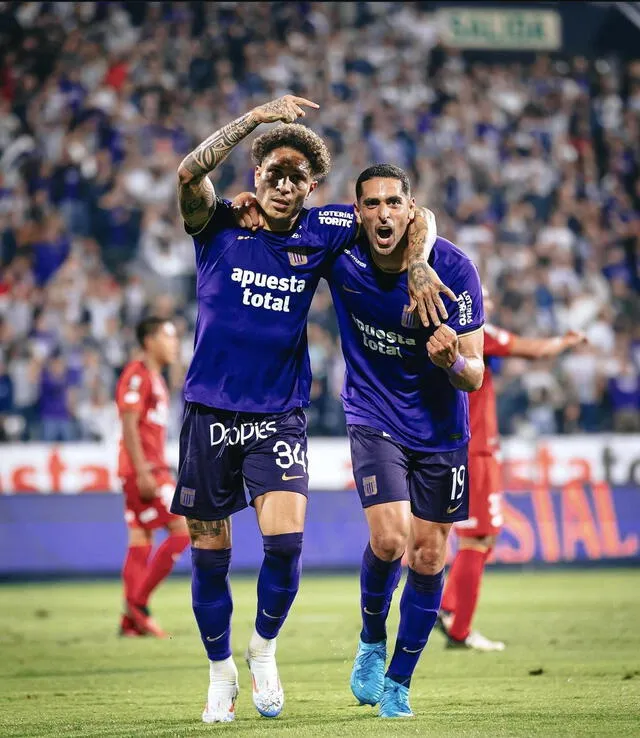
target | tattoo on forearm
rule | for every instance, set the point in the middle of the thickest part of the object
(418, 274)
(206, 157)
(196, 195)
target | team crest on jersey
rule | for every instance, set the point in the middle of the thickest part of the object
(298, 256)
(409, 319)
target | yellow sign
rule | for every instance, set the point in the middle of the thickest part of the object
(469, 28)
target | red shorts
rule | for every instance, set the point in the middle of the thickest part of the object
(154, 513)
(485, 498)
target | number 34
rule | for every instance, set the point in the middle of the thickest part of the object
(287, 456)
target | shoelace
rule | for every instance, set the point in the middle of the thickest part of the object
(365, 658)
(401, 696)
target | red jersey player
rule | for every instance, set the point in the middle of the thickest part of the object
(477, 535)
(148, 485)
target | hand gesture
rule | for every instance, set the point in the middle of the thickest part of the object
(571, 339)
(287, 109)
(425, 287)
(424, 283)
(247, 211)
(442, 347)
(147, 486)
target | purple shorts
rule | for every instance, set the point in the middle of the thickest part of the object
(226, 457)
(436, 484)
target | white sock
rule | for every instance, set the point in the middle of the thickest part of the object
(259, 646)
(223, 671)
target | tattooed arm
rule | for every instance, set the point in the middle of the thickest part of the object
(424, 282)
(195, 191)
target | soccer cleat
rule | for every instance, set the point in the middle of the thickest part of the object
(222, 694)
(395, 700)
(128, 628)
(367, 675)
(443, 621)
(143, 621)
(268, 695)
(477, 642)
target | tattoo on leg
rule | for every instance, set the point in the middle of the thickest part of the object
(206, 527)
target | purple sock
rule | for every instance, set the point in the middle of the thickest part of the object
(211, 600)
(378, 580)
(418, 611)
(278, 581)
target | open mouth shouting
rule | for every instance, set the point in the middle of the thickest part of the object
(384, 237)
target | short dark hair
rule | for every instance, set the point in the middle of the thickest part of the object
(387, 171)
(149, 326)
(300, 138)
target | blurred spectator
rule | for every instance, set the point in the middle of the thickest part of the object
(532, 169)
(56, 401)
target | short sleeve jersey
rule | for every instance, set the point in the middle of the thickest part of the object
(254, 291)
(482, 404)
(144, 392)
(390, 382)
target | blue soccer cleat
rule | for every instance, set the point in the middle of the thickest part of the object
(395, 700)
(367, 676)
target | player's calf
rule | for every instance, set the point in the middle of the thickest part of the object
(212, 607)
(378, 580)
(278, 584)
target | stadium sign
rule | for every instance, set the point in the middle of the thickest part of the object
(567, 499)
(521, 30)
(554, 461)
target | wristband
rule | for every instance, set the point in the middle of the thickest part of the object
(458, 366)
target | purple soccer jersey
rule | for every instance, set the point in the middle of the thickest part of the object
(390, 382)
(254, 291)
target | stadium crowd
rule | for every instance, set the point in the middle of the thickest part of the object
(532, 169)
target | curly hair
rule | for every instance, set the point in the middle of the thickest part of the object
(300, 138)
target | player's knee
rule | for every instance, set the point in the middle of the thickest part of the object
(283, 547)
(483, 543)
(139, 537)
(427, 557)
(389, 544)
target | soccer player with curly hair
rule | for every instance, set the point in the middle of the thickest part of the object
(244, 429)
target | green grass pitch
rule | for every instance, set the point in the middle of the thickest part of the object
(571, 668)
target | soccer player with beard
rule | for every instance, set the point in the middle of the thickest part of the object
(407, 411)
(478, 534)
(244, 430)
(148, 484)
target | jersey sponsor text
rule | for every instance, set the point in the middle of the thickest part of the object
(266, 300)
(384, 342)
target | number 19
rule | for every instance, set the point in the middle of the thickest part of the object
(457, 481)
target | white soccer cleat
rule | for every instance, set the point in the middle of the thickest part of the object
(481, 643)
(268, 695)
(223, 691)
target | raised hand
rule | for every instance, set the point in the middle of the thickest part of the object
(287, 109)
